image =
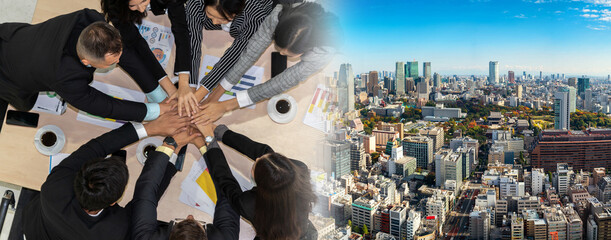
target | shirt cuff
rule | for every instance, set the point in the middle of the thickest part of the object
(157, 95)
(173, 158)
(243, 99)
(166, 150)
(213, 144)
(140, 130)
(219, 132)
(196, 86)
(152, 111)
(203, 150)
(183, 72)
(226, 84)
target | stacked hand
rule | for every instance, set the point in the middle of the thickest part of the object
(187, 102)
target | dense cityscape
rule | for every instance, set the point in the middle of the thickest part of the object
(415, 155)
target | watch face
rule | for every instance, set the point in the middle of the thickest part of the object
(209, 139)
(170, 141)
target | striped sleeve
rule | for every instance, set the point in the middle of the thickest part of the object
(248, 25)
(196, 21)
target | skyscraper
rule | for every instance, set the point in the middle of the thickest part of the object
(587, 102)
(337, 157)
(373, 81)
(411, 70)
(345, 88)
(572, 93)
(582, 85)
(493, 77)
(512, 77)
(427, 70)
(400, 78)
(436, 80)
(573, 82)
(561, 110)
(519, 91)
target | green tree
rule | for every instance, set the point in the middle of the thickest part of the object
(365, 230)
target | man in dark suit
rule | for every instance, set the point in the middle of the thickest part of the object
(79, 198)
(152, 183)
(61, 55)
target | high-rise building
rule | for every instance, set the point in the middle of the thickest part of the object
(411, 70)
(437, 80)
(587, 101)
(581, 149)
(410, 85)
(519, 91)
(562, 178)
(562, 115)
(572, 94)
(582, 85)
(427, 70)
(538, 179)
(373, 81)
(398, 214)
(556, 222)
(493, 77)
(574, 223)
(400, 78)
(435, 133)
(517, 227)
(479, 224)
(420, 147)
(363, 210)
(412, 224)
(573, 82)
(448, 166)
(357, 155)
(602, 218)
(512, 77)
(345, 88)
(337, 157)
(364, 77)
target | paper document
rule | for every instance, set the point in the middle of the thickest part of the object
(253, 77)
(159, 38)
(50, 102)
(317, 113)
(54, 160)
(113, 91)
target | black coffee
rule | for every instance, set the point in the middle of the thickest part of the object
(48, 139)
(283, 106)
(148, 150)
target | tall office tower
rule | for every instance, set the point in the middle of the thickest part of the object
(609, 77)
(345, 88)
(373, 81)
(411, 70)
(448, 166)
(493, 77)
(519, 91)
(512, 77)
(398, 214)
(562, 178)
(479, 224)
(410, 85)
(337, 158)
(400, 78)
(387, 83)
(572, 93)
(427, 70)
(421, 148)
(435, 133)
(364, 80)
(357, 155)
(436, 80)
(561, 111)
(582, 85)
(587, 102)
(363, 210)
(573, 82)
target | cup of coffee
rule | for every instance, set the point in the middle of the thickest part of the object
(148, 149)
(283, 106)
(48, 139)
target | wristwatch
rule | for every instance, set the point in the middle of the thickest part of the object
(170, 141)
(209, 139)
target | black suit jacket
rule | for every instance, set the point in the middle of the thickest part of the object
(180, 29)
(42, 57)
(149, 189)
(244, 202)
(56, 214)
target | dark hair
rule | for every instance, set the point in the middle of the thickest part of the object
(226, 7)
(100, 182)
(98, 39)
(188, 229)
(284, 197)
(119, 10)
(304, 27)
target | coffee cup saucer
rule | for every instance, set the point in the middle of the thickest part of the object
(282, 117)
(154, 141)
(55, 148)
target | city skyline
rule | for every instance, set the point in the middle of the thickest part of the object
(462, 37)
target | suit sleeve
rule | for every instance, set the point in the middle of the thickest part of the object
(137, 59)
(144, 204)
(245, 145)
(75, 90)
(223, 179)
(226, 222)
(180, 29)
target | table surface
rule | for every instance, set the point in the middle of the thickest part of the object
(23, 165)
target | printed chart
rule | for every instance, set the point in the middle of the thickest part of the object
(113, 91)
(319, 109)
(159, 39)
(253, 77)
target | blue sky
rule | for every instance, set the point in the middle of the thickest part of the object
(462, 36)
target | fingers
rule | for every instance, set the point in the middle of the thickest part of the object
(172, 97)
(180, 106)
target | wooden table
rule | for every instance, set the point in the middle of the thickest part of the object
(23, 165)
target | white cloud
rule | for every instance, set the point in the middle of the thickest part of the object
(558, 12)
(597, 2)
(598, 28)
(520, 16)
(590, 15)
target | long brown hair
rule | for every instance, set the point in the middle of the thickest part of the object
(284, 197)
(119, 10)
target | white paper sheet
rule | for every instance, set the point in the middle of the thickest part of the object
(318, 111)
(114, 91)
(159, 38)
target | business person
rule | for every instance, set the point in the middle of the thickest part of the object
(304, 31)
(61, 55)
(79, 198)
(152, 183)
(241, 18)
(279, 205)
(124, 14)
